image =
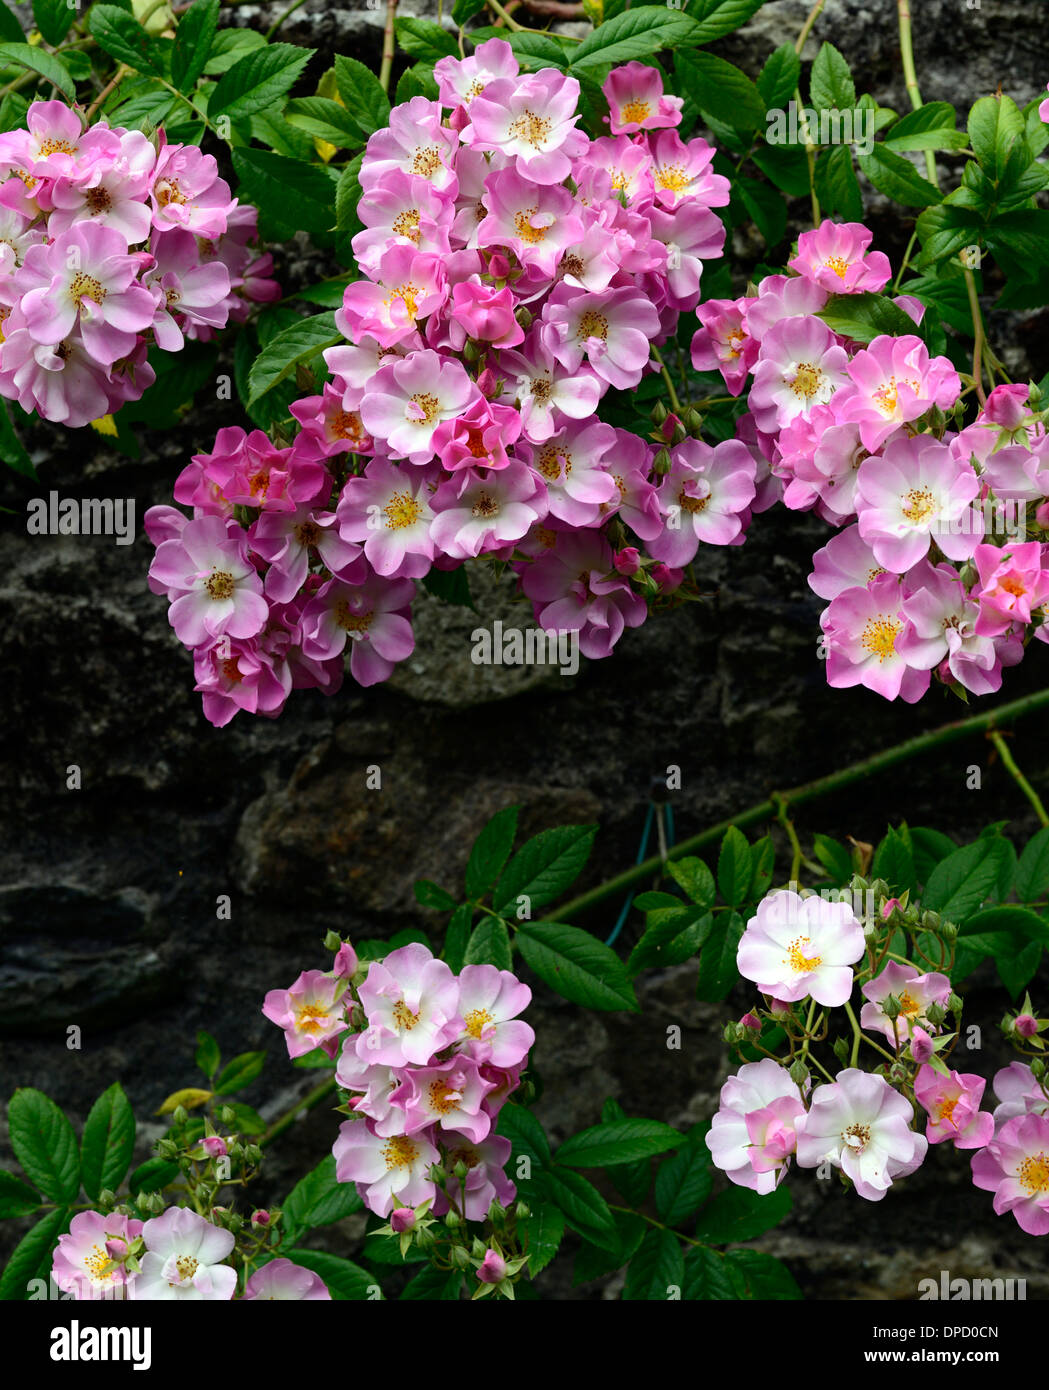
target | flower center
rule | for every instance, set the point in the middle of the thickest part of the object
(350, 621)
(307, 533)
(807, 382)
(408, 294)
(908, 1007)
(346, 424)
(403, 1016)
(541, 388)
(187, 1266)
(947, 1110)
(838, 264)
(552, 460)
(231, 670)
(220, 584)
(485, 506)
(86, 287)
(856, 1137)
(531, 129)
(525, 230)
(796, 957)
(443, 1098)
(98, 200)
(401, 510)
(477, 1020)
(423, 409)
(311, 1018)
(672, 177)
(56, 147)
(96, 1261)
(426, 161)
(168, 191)
(468, 1156)
(1013, 585)
(879, 636)
(399, 1152)
(1034, 1173)
(406, 224)
(635, 111)
(919, 506)
(692, 505)
(592, 325)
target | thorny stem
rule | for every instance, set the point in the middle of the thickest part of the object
(308, 1102)
(386, 66)
(974, 307)
(1014, 772)
(809, 791)
(674, 401)
(275, 26)
(632, 1211)
(114, 82)
(806, 28)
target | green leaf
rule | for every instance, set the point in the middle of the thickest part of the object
(931, 127)
(778, 79)
(532, 50)
(830, 83)
(193, 41)
(432, 895)
(577, 966)
(257, 81)
(346, 1281)
(544, 867)
(623, 1141)
(433, 1284)
(248, 1121)
(894, 862)
(586, 1211)
(706, 1277)
(695, 878)
(36, 60)
(30, 1254)
(207, 1055)
(761, 1276)
(347, 197)
(765, 206)
(657, 1271)
(1019, 920)
(44, 1144)
(717, 962)
(239, 1073)
(450, 586)
(996, 127)
(489, 945)
(421, 38)
(636, 33)
(299, 343)
(740, 1214)
(595, 1261)
(671, 936)
(318, 1199)
(323, 119)
(719, 88)
(897, 178)
(683, 1183)
(490, 852)
(715, 18)
(457, 936)
(108, 1142)
(734, 867)
(17, 1198)
(328, 294)
(865, 317)
(465, 10)
(124, 39)
(1023, 234)
(930, 846)
(10, 29)
(834, 857)
(11, 449)
(837, 186)
(416, 81)
(293, 195)
(364, 98)
(53, 18)
(944, 231)
(525, 1133)
(1017, 971)
(965, 879)
(632, 1179)
(541, 1232)
(152, 1176)
(1032, 872)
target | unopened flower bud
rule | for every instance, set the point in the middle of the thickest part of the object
(473, 352)
(116, 1248)
(750, 1023)
(345, 962)
(260, 1218)
(954, 1004)
(1037, 1068)
(931, 920)
(460, 1169)
(693, 422)
(179, 1115)
(731, 1033)
(1026, 1025)
(227, 1114)
(488, 384)
(627, 561)
(332, 941)
(214, 1146)
(524, 317)
(880, 888)
(920, 1044)
(498, 267)
(935, 1013)
(493, 1270)
(402, 1219)
(661, 464)
(891, 1006)
(459, 1257)
(167, 1148)
(522, 1211)
(453, 1220)
(948, 931)
(659, 413)
(841, 1050)
(496, 1213)
(897, 1074)
(799, 1072)
(107, 1197)
(253, 1154)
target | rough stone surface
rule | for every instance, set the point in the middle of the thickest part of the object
(108, 909)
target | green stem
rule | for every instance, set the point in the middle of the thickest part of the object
(674, 402)
(978, 336)
(275, 26)
(309, 1102)
(1021, 781)
(809, 791)
(904, 263)
(806, 28)
(632, 1211)
(386, 66)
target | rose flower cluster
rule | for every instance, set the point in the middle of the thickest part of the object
(110, 241)
(515, 271)
(939, 566)
(867, 1124)
(428, 1059)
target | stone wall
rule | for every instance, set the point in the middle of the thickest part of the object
(107, 909)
